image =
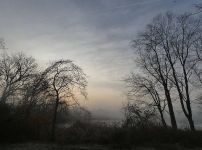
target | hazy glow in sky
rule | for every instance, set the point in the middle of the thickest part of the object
(96, 34)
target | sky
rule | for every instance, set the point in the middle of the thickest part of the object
(95, 34)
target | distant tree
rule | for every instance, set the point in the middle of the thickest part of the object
(15, 71)
(65, 81)
(148, 91)
(34, 92)
(139, 115)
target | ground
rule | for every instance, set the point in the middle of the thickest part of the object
(31, 146)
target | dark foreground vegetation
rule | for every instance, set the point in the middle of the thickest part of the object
(37, 129)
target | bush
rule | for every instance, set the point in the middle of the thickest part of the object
(116, 136)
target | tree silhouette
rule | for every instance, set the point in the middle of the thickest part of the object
(65, 79)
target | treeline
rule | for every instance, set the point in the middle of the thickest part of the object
(169, 60)
(32, 99)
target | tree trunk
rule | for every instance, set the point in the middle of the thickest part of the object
(54, 120)
(188, 101)
(189, 116)
(170, 108)
(191, 123)
(162, 119)
(162, 116)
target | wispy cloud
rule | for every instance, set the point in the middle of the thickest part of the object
(94, 33)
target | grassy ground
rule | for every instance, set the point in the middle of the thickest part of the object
(31, 146)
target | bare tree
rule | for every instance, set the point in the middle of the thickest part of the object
(198, 68)
(176, 37)
(33, 92)
(15, 72)
(147, 91)
(152, 60)
(65, 81)
(139, 115)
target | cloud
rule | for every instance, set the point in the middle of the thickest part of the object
(96, 34)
